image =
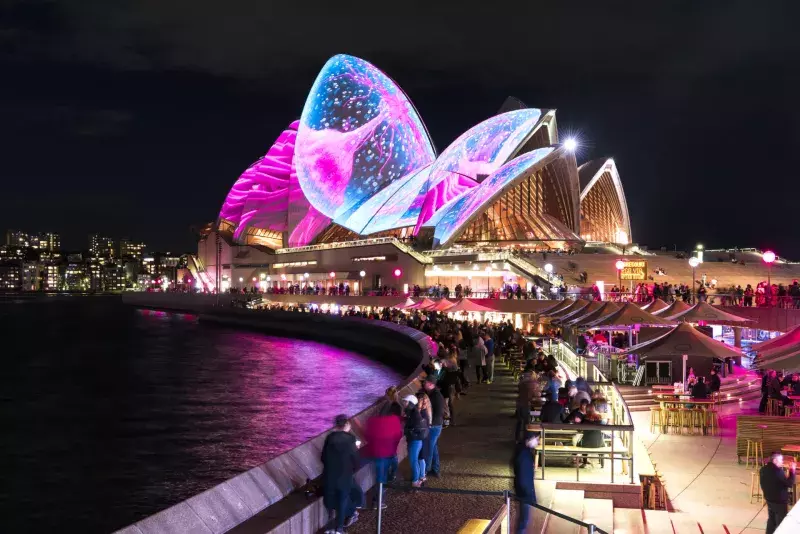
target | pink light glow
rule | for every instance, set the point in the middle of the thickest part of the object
(358, 133)
(398, 273)
(620, 265)
(769, 256)
(332, 274)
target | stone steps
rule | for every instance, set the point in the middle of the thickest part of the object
(599, 512)
(567, 502)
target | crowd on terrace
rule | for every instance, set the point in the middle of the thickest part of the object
(466, 355)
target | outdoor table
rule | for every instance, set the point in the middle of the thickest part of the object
(673, 400)
(792, 450)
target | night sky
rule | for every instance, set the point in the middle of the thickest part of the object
(134, 117)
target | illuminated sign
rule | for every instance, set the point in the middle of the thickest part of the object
(634, 270)
(391, 257)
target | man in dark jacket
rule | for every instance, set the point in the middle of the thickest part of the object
(762, 407)
(775, 485)
(437, 420)
(552, 411)
(340, 462)
(522, 462)
(700, 390)
(714, 383)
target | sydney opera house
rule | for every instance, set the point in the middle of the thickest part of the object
(354, 191)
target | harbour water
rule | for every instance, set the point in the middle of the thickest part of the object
(111, 413)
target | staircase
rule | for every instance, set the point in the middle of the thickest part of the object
(603, 514)
(742, 386)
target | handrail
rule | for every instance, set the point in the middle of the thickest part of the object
(358, 243)
(505, 494)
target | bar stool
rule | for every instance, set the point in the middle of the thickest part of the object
(774, 407)
(712, 422)
(755, 487)
(755, 450)
(698, 417)
(673, 419)
(686, 420)
(656, 419)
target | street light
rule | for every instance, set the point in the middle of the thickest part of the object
(693, 263)
(362, 274)
(769, 258)
(548, 268)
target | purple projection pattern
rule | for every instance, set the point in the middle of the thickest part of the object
(481, 150)
(358, 133)
(262, 194)
(458, 214)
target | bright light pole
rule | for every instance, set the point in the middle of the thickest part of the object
(619, 265)
(769, 258)
(362, 274)
(693, 263)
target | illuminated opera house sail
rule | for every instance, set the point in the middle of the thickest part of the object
(360, 163)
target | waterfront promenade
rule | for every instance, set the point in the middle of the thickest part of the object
(475, 455)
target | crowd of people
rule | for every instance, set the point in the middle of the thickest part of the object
(774, 384)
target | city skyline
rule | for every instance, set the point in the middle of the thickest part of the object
(185, 124)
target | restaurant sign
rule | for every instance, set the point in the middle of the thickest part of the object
(634, 270)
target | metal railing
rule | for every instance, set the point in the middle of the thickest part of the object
(500, 521)
(359, 243)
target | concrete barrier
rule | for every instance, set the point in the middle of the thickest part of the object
(253, 492)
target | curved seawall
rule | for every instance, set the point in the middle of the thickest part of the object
(268, 494)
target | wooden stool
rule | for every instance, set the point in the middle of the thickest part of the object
(656, 419)
(686, 420)
(755, 487)
(774, 407)
(755, 450)
(673, 419)
(712, 422)
(698, 417)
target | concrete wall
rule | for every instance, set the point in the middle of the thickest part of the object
(256, 491)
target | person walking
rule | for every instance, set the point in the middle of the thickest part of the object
(523, 465)
(488, 371)
(416, 431)
(437, 420)
(775, 486)
(339, 464)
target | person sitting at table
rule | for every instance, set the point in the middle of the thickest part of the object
(592, 439)
(552, 411)
(576, 396)
(700, 390)
(794, 385)
(691, 379)
(577, 416)
(714, 383)
(774, 389)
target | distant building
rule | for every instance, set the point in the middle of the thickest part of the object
(31, 276)
(17, 238)
(12, 252)
(51, 277)
(130, 249)
(114, 278)
(101, 247)
(74, 277)
(10, 275)
(46, 241)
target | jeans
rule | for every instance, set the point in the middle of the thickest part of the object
(417, 464)
(432, 460)
(489, 368)
(775, 514)
(382, 468)
(343, 506)
(524, 516)
(480, 370)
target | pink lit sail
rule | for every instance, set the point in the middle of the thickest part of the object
(262, 195)
(358, 134)
(480, 151)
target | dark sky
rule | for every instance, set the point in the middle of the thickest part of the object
(134, 117)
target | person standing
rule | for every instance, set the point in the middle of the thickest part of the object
(339, 464)
(775, 486)
(382, 434)
(437, 420)
(416, 431)
(523, 466)
(488, 372)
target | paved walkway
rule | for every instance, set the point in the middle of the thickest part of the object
(702, 474)
(475, 455)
